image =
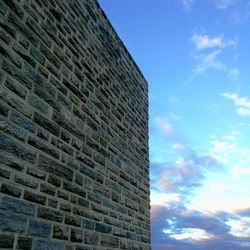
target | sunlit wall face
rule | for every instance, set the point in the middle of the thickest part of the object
(195, 57)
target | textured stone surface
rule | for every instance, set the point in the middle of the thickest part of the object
(74, 170)
(39, 229)
(6, 240)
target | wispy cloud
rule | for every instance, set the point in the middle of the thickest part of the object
(242, 103)
(208, 52)
(233, 73)
(187, 5)
(209, 61)
(225, 4)
(239, 11)
(186, 170)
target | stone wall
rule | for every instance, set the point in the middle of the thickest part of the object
(74, 170)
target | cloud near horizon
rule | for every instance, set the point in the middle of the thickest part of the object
(187, 229)
(174, 225)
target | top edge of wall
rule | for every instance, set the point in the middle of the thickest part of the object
(120, 40)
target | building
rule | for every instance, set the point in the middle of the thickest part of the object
(74, 168)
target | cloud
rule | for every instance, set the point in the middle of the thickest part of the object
(242, 103)
(241, 13)
(173, 224)
(187, 5)
(167, 129)
(175, 227)
(185, 171)
(209, 61)
(203, 42)
(178, 227)
(208, 51)
(224, 4)
(233, 73)
(244, 212)
(183, 175)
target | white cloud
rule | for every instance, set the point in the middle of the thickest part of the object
(239, 101)
(164, 126)
(203, 42)
(187, 5)
(208, 49)
(240, 171)
(242, 103)
(243, 111)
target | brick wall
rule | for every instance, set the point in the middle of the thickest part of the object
(74, 169)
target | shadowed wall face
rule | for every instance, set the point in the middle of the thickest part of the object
(74, 138)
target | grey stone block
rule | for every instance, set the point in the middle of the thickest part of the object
(47, 245)
(24, 243)
(6, 240)
(15, 148)
(39, 229)
(11, 222)
(49, 214)
(17, 206)
(103, 228)
(60, 232)
(10, 190)
(22, 121)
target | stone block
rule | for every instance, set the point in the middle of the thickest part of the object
(17, 206)
(39, 229)
(46, 124)
(51, 166)
(91, 238)
(6, 240)
(34, 197)
(49, 214)
(10, 190)
(24, 243)
(60, 232)
(33, 141)
(11, 222)
(39, 104)
(26, 181)
(36, 54)
(12, 129)
(5, 173)
(109, 241)
(71, 220)
(39, 244)
(76, 235)
(103, 228)
(22, 121)
(15, 87)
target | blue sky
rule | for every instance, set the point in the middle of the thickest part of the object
(195, 56)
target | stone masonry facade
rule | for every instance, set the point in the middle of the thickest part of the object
(74, 168)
